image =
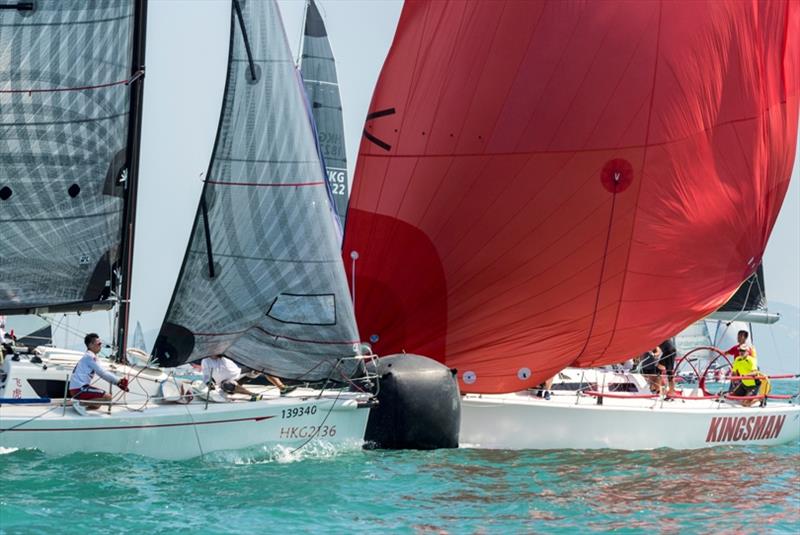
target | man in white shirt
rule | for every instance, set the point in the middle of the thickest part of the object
(223, 371)
(80, 383)
(6, 340)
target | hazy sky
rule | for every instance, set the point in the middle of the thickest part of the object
(187, 47)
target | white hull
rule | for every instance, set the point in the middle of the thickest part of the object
(145, 422)
(183, 431)
(521, 421)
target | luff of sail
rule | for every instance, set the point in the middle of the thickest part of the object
(318, 68)
(64, 117)
(262, 279)
(545, 184)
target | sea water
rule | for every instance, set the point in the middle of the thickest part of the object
(338, 490)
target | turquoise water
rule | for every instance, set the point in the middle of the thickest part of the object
(457, 491)
(727, 489)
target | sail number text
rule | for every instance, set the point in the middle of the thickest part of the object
(296, 412)
(338, 181)
(309, 431)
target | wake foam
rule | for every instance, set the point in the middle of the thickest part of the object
(280, 454)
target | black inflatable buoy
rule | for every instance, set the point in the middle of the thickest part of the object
(419, 405)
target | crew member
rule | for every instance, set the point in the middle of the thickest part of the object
(745, 365)
(219, 369)
(651, 368)
(741, 338)
(668, 354)
(80, 383)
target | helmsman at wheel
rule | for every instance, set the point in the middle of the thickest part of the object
(80, 384)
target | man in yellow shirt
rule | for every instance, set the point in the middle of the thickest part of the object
(745, 365)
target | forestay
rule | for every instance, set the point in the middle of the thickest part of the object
(262, 280)
(322, 87)
(64, 114)
(544, 184)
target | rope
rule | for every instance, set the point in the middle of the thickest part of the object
(31, 419)
(734, 378)
(319, 427)
(194, 424)
(595, 393)
(336, 400)
(746, 297)
(681, 396)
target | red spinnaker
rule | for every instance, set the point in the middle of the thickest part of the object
(544, 184)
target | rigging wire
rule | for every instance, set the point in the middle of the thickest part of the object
(327, 414)
(29, 420)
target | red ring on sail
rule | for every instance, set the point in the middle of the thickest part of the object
(617, 175)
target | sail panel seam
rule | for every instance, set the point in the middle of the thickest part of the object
(64, 218)
(569, 151)
(29, 91)
(300, 340)
(77, 121)
(269, 185)
(268, 259)
(67, 23)
(262, 61)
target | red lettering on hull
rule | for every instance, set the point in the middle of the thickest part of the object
(740, 428)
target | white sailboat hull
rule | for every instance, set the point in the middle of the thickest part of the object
(521, 421)
(184, 431)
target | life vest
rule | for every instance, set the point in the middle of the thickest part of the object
(745, 366)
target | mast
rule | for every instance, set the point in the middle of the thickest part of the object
(299, 59)
(132, 179)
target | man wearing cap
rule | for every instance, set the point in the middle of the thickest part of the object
(745, 365)
(741, 339)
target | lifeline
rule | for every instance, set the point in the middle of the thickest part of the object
(736, 428)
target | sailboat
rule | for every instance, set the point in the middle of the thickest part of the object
(318, 69)
(544, 185)
(257, 283)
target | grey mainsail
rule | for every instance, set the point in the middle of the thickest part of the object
(262, 280)
(322, 87)
(65, 108)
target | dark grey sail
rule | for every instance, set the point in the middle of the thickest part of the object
(65, 107)
(262, 280)
(748, 303)
(322, 87)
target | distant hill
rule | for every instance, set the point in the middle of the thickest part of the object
(779, 344)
